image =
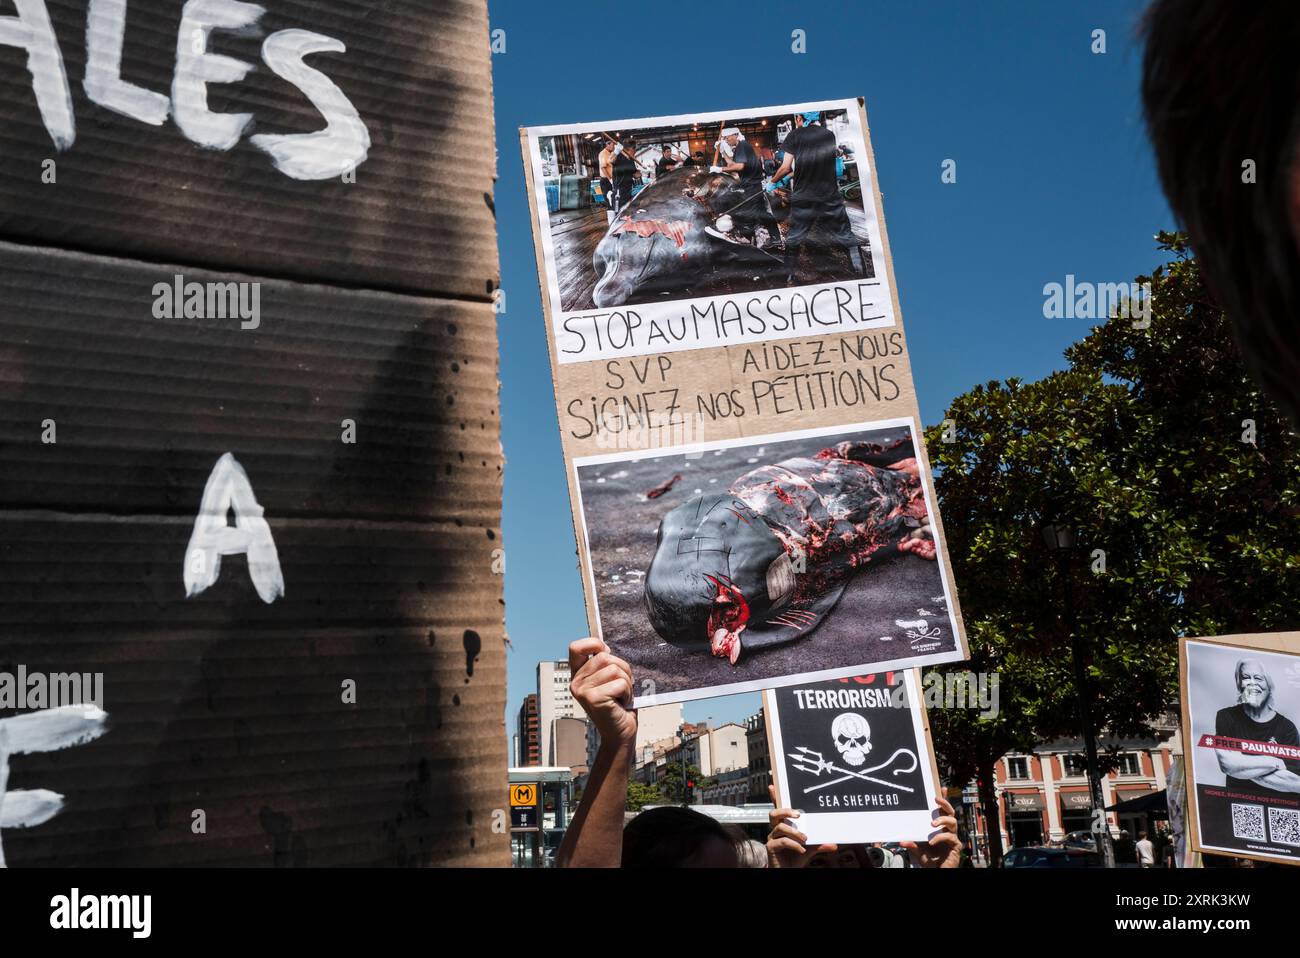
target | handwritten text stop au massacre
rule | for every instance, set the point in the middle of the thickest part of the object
(722, 321)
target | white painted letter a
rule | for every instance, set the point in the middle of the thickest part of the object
(228, 488)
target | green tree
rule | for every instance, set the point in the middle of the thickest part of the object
(1183, 527)
(639, 795)
(671, 784)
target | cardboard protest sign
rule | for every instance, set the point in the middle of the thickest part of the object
(343, 141)
(1240, 704)
(750, 489)
(855, 756)
(253, 469)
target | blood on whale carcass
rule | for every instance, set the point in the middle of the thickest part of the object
(658, 243)
(725, 564)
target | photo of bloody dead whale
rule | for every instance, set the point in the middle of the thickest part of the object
(679, 208)
(766, 561)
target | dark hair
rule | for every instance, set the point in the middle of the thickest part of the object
(1221, 85)
(670, 836)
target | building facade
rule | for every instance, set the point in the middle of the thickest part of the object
(569, 743)
(528, 736)
(1044, 795)
(554, 701)
(760, 761)
(730, 788)
(712, 751)
(728, 749)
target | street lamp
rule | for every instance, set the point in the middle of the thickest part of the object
(1059, 539)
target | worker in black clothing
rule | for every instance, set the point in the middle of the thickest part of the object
(753, 212)
(624, 170)
(667, 162)
(816, 206)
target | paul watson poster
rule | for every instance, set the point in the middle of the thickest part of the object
(750, 492)
(854, 755)
(1241, 703)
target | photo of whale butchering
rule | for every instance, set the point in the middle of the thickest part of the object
(765, 561)
(641, 214)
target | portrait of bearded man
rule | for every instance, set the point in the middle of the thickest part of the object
(1255, 719)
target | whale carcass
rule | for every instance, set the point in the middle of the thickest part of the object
(658, 244)
(771, 556)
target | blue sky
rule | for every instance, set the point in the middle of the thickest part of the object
(1054, 176)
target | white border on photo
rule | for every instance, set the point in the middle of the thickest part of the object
(757, 685)
(1279, 663)
(865, 826)
(675, 309)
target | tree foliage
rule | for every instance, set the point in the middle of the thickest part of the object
(1183, 528)
(671, 784)
(640, 795)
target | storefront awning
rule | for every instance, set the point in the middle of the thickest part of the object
(1031, 802)
(1153, 803)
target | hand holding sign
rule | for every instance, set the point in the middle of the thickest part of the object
(943, 850)
(602, 684)
(786, 845)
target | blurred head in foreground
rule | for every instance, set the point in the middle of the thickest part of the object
(1221, 91)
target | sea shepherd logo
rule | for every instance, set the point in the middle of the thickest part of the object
(77, 911)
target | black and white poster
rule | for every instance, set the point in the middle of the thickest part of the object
(854, 756)
(1241, 706)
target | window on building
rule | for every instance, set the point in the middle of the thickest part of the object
(1018, 767)
(1075, 765)
(1129, 764)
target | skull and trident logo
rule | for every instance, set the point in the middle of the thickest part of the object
(852, 736)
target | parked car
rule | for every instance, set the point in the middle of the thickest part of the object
(1080, 840)
(1037, 856)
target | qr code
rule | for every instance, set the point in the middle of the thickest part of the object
(1248, 822)
(1284, 826)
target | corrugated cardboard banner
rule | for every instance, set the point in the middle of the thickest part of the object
(251, 494)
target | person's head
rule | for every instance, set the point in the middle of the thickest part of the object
(678, 837)
(808, 117)
(731, 136)
(1221, 91)
(846, 856)
(1254, 684)
(1142, 836)
(752, 853)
